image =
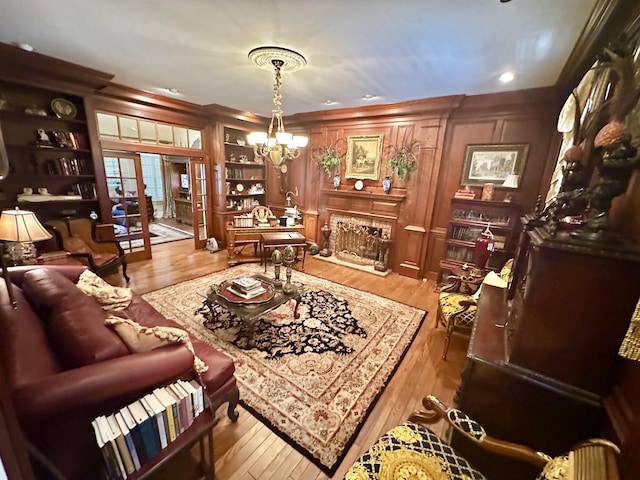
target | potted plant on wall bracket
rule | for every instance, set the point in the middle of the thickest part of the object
(402, 160)
(329, 159)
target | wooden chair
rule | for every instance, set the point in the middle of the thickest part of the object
(458, 302)
(77, 237)
(422, 454)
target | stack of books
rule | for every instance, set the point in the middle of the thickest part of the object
(136, 433)
(246, 287)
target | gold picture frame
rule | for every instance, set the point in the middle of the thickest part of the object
(492, 163)
(363, 156)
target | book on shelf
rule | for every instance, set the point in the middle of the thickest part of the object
(199, 394)
(167, 403)
(157, 410)
(128, 439)
(181, 395)
(118, 436)
(175, 406)
(133, 435)
(150, 439)
(110, 467)
(111, 448)
(193, 395)
(136, 435)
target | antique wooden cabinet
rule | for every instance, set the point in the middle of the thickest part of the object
(542, 353)
(572, 305)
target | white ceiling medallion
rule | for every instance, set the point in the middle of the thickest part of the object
(264, 57)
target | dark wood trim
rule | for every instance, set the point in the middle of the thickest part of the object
(440, 106)
(226, 114)
(608, 19)
(140, 97)
(32, 68)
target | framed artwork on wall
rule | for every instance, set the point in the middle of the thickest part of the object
(363, 156)
(492, 163)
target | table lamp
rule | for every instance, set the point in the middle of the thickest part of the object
(511, 181)
(19, 226)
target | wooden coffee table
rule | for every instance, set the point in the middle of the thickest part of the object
(249, 311)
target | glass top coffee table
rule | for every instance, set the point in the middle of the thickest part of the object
(250, 311)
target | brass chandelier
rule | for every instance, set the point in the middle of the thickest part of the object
(276, 144)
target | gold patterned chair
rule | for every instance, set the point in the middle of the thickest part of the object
(458, 301)
(411, 450)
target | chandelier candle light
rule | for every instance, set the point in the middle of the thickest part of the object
(276, 144)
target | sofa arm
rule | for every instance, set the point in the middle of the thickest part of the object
(100, 383)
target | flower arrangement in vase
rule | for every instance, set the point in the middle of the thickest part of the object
(402, 160)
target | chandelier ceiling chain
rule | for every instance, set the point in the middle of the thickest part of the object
(276, 144)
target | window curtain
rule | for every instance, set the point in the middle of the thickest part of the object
(168, 205)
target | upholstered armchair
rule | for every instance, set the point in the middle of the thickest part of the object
(77, 237)
(412, 450)
(458, 301)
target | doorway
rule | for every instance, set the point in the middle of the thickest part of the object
(123, 172)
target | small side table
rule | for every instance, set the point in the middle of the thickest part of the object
(269, 240)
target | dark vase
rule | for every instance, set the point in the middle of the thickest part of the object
(484, 246)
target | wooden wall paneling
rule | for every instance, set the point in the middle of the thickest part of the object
(420, 198)
(460, 133)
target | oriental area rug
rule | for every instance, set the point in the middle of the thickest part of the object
(312, 380)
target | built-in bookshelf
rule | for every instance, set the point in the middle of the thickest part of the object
(51, 169)
(244, 173)
(139, 438)
(469, 218)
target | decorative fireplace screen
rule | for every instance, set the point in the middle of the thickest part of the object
(363, 244)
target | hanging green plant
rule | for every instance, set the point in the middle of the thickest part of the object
(328, 160)
(402, 160)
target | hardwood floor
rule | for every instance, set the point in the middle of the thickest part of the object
(249, 450)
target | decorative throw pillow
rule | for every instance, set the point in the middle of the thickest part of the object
(111, 298)
(142, 339)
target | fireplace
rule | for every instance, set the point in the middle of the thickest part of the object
(360, 240)
(362, 225)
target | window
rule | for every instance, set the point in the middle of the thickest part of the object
(152, 175)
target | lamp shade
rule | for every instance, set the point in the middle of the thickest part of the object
(21, 226)
(511, 181)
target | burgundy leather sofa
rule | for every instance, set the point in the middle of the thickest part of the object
(64, 367)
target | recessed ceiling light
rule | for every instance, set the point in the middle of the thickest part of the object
(369, 96)
(24, 46)
(173, 91)
(330, 102)
(506, 77)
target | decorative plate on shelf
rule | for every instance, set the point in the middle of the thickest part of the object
(63, 108)
(239, 187)
(359, 185)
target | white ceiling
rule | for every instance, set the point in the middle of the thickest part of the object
(398, 50)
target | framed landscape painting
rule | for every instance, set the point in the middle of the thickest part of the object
(363, 156)
(492, 163)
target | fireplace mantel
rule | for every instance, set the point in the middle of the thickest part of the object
(375, 206)
(389, 197)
